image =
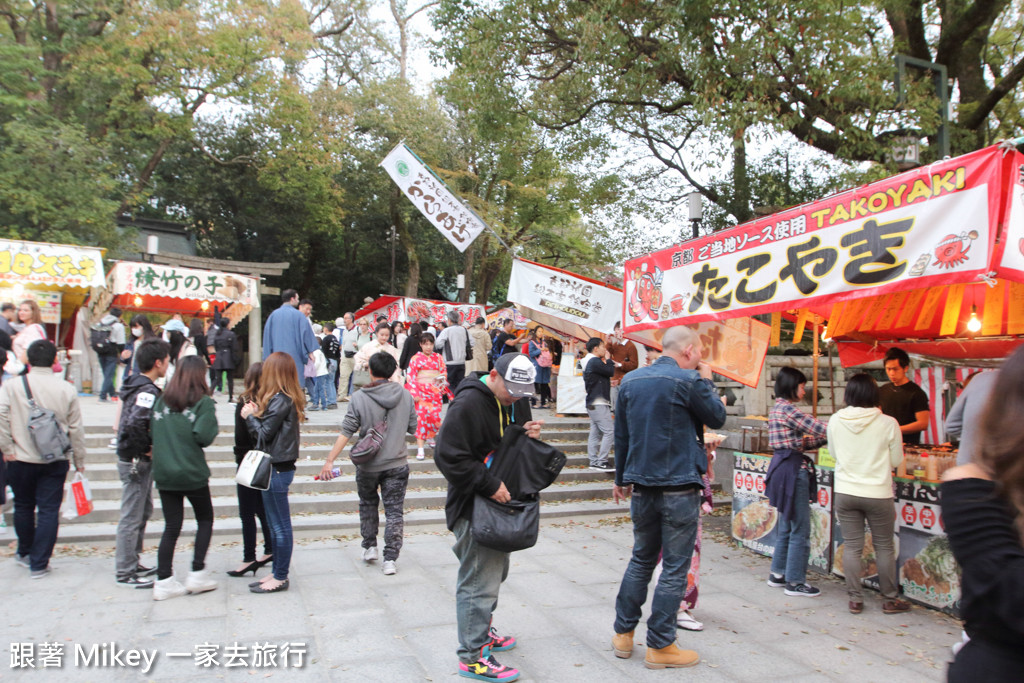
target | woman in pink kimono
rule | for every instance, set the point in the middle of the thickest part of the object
(427, 382)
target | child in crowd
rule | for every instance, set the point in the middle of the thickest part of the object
(135, 460)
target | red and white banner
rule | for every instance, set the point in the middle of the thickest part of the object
(396, 308)
(929, 227)
(584, 308)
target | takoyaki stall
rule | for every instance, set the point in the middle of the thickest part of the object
(930, 260)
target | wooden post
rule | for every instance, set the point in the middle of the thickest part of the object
(831, 378)
(814, 387)
(256, 328)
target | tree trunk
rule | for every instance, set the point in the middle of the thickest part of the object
(467, 273)
(740, 179)
(412, 284)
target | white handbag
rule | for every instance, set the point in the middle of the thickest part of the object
(254, 470)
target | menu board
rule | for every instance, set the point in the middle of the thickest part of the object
(755, 521)
(928, 572)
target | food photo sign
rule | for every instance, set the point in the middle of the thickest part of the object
(755, 521)
(928, 572)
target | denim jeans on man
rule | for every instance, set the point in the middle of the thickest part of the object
(275, 502)
(602, 433)
(663, 522)
(136, 509)
(392, 484)
(109, 366)
(38, 492)
(481, 573)
(793, 544)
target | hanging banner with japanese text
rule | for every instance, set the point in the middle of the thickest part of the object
(929, 227)
(152, 280)
(563, 295)
(57, 265)
(443, 209)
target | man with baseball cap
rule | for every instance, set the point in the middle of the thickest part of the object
(472, 430)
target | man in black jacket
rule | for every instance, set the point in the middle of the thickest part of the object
(472, 430)
(598, 369)
(135, 461)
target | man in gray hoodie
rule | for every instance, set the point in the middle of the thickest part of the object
(387, 475)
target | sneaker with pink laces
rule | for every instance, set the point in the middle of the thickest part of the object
(487, 668)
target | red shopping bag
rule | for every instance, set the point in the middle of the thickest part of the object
(78, 500)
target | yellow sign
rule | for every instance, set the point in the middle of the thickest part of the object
(61, 265)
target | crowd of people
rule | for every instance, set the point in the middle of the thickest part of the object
(395, 381)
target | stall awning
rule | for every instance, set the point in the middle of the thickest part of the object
(583, 308)
(912, 257)
(171, 289)
(407, 310)
(28, 268)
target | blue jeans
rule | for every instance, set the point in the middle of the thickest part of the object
(109, 366)
(319, 394)
(275, 502)
(37, 487)
(665, 522)
(332, 388)
(793, 542)
(481, 573)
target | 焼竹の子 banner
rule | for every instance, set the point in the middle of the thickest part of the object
(443, 209)
(932, 226)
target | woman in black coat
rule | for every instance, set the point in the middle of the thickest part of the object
(250, 501)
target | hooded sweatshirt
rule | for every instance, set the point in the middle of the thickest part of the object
(866, 445)
(471, 431)
(138, 396)
(367, 408)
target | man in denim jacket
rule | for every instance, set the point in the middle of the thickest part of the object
(659, 460)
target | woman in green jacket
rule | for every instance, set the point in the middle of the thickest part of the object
(184, 422)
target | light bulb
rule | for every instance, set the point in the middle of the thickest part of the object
(205, 305)
(137, 301)
(974, 325)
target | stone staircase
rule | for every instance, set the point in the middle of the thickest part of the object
(329, 507)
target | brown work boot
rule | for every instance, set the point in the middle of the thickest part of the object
(622, 643)
(670, 657)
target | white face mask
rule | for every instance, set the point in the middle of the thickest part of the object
(136, 331)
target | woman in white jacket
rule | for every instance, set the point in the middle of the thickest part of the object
(866, 445)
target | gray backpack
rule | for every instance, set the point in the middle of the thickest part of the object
(51, 442)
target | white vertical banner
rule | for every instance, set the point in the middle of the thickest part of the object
(443, 209)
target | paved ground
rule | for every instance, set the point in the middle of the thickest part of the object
(356, 624)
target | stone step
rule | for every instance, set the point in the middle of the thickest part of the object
(336, 500)
(222, 465)
(424, 474)
(223, 454)
(100, 441)
(337, 523)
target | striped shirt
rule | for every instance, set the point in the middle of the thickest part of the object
(789, 427)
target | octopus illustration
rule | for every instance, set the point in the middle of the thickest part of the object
(646, 297)
(952, 250)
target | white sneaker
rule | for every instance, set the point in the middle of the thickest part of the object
(685, 620)
(199, 582)
(370, 554)
(165, 589)
(113, 444)
(420, 455)
(389, 567)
